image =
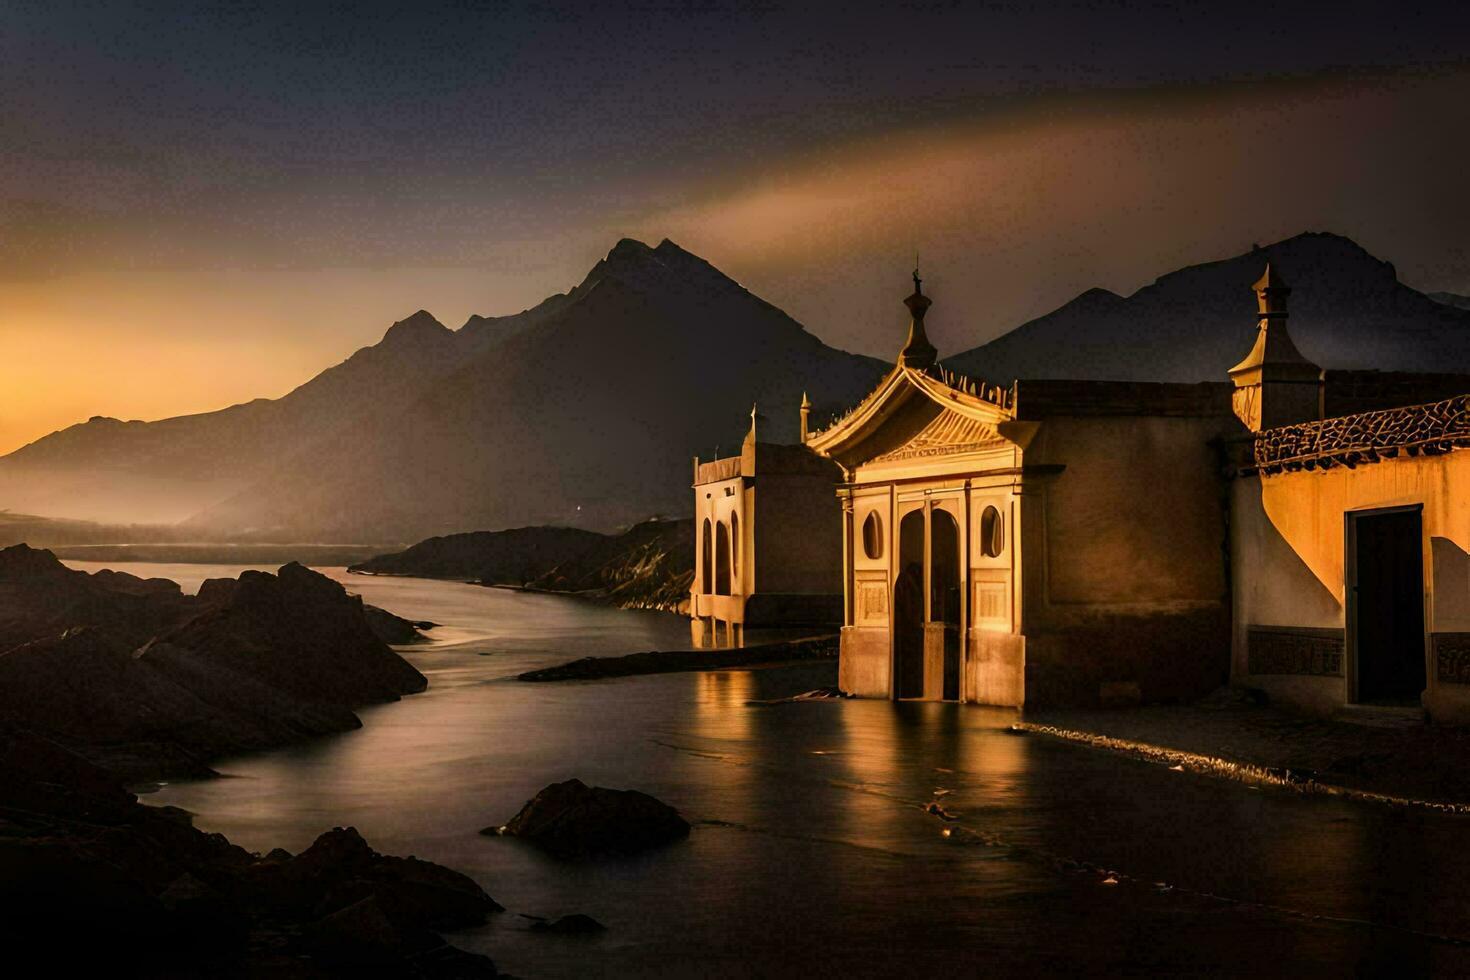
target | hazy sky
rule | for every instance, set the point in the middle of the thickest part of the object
(201, 205)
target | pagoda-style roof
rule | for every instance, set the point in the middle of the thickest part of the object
(919, 412)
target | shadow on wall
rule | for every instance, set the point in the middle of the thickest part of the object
(1275, 585)
(1451, 584)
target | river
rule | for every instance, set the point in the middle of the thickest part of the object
(812, 853)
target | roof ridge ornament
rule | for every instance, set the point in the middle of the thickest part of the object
(917, 351)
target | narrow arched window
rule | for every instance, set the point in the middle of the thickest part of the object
(707, 560)
(992, 533)
(873, 535)
(722, 559)
(735, 550)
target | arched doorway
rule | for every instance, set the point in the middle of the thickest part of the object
(944, 594)
(706, 560)
(908, 609)
(722, 559)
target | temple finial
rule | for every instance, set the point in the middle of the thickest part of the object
(917, 352)
(1275, 385)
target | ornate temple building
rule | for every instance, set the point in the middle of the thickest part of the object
(1055, 541)
(1349, 534)
(1298, 531)
(766, 551)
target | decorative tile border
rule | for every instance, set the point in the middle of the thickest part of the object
(1294, 650)
(1451, 657)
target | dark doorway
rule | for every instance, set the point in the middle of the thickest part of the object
(944, 594)
(908, 609)
(1388, 607)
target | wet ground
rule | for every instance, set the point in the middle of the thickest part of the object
(813, 851)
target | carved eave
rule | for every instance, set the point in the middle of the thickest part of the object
(850, 441)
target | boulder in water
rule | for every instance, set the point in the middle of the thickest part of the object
(573, 819)
(575, 924)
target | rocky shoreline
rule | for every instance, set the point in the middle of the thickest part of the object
(152, 896)
(672, 661)
(648, 566)
(149, 683)
(107, 678)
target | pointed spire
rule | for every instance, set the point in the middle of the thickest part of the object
(1274, 345)
(1271, 292)
(750, 436)
(1275, 385)
(806, 411)
(917, 352)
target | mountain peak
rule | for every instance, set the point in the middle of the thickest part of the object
(628, 248)
(1348, 310)
(418, 327)
(665, 271)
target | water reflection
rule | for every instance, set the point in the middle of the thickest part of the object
(813, 853)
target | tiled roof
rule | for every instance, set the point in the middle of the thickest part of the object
(1351, 440)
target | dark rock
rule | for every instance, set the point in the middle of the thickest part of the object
(340, 869)
(394, 629)
(203, 916)
(575, 924)
(150, 682)
(133, 585)
(573, 819)
(51, 887)
(452, 963)
(77, 852)
(300, 632)
(217, 591)
(41, 598)
(365, 934)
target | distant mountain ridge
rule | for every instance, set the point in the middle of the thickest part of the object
(1451, 299)
(1348, 310)
(583, 410)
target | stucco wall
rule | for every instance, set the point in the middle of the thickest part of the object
(1289, 557)
(721, 502)
(995, 668)
(1123, 573)
(798, 534)
(863, 666)
(1135, 521)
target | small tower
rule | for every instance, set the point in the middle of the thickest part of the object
(806, 414)
(1275, 385)
(918, 352)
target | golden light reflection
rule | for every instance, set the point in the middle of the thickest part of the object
(721, 711)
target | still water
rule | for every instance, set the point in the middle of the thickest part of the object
(812, 853)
